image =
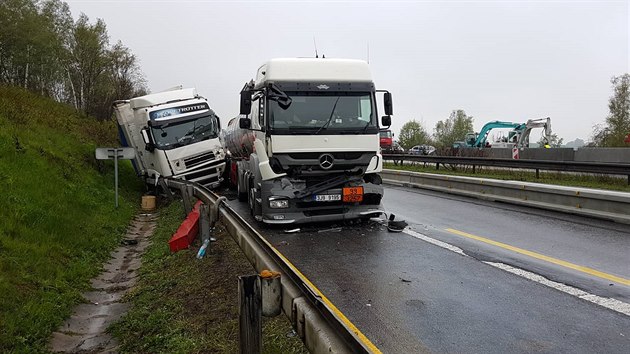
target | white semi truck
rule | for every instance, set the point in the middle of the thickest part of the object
(174, 133)
(306, 144)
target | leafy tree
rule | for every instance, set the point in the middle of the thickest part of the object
(87, 62)
(554, 142)
(413, 133)
(453, 129)
(42, 49)
(617, 126)
(32, 44)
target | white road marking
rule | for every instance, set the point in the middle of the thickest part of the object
(612, 304)
(434, 241)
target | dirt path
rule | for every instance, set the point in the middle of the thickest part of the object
(85, 330)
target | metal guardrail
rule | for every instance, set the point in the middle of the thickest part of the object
(620, 169)
(322, 328)
(601, 204)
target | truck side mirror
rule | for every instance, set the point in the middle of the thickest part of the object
(389, 107)
(149, 145)
(386, 121)
(246, 102)
(245, 123)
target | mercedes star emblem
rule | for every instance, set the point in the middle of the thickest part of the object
(326, 161)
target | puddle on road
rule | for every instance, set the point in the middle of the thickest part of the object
(85, 330)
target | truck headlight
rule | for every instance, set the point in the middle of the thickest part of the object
(278, 203)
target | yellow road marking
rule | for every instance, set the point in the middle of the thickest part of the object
(556, 261)
(330, 305)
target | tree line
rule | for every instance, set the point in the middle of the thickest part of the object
(614, 132)
(44, 50)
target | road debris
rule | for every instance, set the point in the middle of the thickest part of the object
(395, 225)
(334, 229)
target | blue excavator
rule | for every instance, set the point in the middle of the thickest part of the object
(517, 137)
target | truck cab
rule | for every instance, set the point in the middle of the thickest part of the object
(175, 133)
(314, 129)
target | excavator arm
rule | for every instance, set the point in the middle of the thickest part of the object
(545, 123)
(483, 133)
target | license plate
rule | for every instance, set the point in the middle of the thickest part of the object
(353, 194)
(327, 197)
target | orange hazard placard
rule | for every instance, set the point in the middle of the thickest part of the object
(353, 194)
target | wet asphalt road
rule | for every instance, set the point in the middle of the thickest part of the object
(407, 295)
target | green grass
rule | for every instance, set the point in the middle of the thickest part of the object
(555, 178)
(58, 221)
(186, 305)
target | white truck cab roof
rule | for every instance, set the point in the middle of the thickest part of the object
(153, 99)
(313, 70)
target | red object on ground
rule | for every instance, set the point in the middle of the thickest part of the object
(627, 140)
(187, 231)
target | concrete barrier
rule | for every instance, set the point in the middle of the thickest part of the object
(609, 205)
(615, 155)
(608, 155)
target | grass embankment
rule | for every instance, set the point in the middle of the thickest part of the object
(186, 305)
(555, 178)
(58, 223)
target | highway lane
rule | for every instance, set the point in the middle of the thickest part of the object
(408, 295)
(599, 245)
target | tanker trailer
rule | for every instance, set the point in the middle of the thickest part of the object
(239, 144)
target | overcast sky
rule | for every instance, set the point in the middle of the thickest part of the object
(497, 60)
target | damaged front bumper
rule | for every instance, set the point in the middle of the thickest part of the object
(324, 205)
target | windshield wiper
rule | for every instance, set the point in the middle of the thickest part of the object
(332, 113)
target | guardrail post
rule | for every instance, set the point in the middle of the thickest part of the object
(537, 173)
(204, 222)
(437, 165)
(186, 200)
(165, 188)
(271, 293)
(250, 314)
(214, 210)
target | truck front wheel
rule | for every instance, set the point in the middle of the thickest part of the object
(242, 194)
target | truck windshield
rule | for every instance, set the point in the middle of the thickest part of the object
(172, 135)
(330, 113)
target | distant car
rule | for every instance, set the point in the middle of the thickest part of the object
(422, 150)
(395, 148)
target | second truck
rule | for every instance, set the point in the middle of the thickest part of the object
(175, 134)
(306, 145)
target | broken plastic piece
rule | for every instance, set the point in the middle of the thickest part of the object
(395, 226)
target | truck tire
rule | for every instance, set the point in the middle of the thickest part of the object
(251, 197)
(242, 195)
